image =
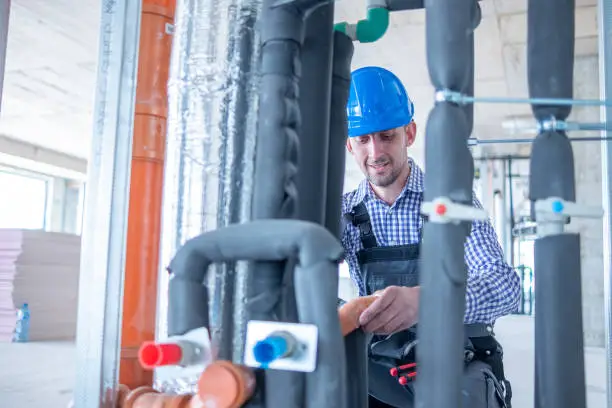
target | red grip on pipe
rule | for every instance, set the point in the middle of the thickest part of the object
(153, 355)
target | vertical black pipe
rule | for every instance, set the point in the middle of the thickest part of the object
(356, 352)
(469, 88)
(558, 316)
(449, 174)
(355, 343)
(275, 169)
(558, 323)
(338, 131)
(314, 101)
(315, 92)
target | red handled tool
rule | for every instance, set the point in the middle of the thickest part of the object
(404, 373)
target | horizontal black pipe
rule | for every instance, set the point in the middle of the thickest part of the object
(317, 253)
(401, 5)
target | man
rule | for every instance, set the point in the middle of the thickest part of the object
(381, 240)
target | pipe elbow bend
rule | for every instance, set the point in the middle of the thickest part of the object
(369, 30)
(374, 26)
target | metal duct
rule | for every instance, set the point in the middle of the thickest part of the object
(212, 122)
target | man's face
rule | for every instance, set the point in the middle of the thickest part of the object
(382, 156)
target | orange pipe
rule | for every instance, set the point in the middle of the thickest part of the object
(223, 384)
(144, 217)
(147, 397)
(349, 313)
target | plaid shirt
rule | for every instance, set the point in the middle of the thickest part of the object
(493, 287)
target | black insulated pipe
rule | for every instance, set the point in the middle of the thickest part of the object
(558, 317)
(551, 169)
(338, 131)
(355, 343)
(279, 113)
(188, 306)
(314, 100)
(399, 5)
(276, 166)
(442, 299)
(317, 254)
(559, 348)
(314, 96)
(550, 54)
(275, 169)
(550, 68)
(448, 28)
(449, 174)
(468, 108)
(356, 351)
(452, 172)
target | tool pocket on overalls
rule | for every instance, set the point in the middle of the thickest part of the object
(481, 389)
(396, 346)
(495, 391)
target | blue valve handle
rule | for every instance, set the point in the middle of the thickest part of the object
(557, 206)
(271, 348)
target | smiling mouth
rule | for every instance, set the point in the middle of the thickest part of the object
(378, 166)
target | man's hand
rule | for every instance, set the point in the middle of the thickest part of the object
(396, 309)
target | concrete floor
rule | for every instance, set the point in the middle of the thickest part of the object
(516, 335)
(41, 375)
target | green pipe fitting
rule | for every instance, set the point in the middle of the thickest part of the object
(369, 30)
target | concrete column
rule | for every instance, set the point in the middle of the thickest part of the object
(64, 202)
(55, 205)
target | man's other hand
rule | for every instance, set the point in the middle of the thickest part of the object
(396, 309)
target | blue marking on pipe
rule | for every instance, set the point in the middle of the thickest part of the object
(270, 349)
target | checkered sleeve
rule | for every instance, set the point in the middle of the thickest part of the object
(493, 286)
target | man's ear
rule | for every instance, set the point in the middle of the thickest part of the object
(410, 133)
(348, 145)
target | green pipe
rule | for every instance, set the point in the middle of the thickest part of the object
(369, 30)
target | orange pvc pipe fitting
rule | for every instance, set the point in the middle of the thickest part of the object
(122, 394)
(147, 168)
(225, 385)
(222, 385)
(147, 397)
(349, 313)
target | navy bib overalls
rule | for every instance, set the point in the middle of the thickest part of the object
(398, 265)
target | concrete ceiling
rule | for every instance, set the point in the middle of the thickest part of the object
(52, 53)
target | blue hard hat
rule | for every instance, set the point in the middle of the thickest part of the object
(377, 101)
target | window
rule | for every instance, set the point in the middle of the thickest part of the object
(23, 200)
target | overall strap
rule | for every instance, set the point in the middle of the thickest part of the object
(360, 218)
(425, 219)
